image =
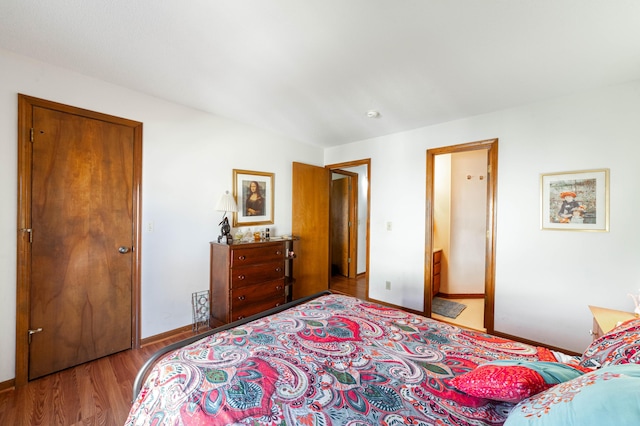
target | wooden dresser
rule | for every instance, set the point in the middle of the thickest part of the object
(248, 278)
(605, 320)
(436, 265)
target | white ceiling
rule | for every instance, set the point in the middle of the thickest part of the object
(311, 69)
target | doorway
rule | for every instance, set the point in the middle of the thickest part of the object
(350, 199)
(311, 190)
(343, 223)
(79, 201)
(455, 237)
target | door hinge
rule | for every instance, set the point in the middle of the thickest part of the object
(30, 231)
(488, 168)
(31, 135)
(348, 260)
(34, 331)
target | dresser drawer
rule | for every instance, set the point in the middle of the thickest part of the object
(436, 268)
(251, 274)
(248, 256)
(255, 307)
(250, 295)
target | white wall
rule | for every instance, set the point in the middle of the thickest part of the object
(188, 157)
(466, 257)
(459, 220)
(363, 187)
(544, 279)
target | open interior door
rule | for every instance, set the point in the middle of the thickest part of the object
(310, 222)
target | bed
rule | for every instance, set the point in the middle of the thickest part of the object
(337, 360)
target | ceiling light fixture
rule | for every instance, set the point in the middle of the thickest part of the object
(373, 114)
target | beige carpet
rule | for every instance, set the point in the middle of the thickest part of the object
(471, 317)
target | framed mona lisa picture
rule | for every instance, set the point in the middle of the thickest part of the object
(253, 192)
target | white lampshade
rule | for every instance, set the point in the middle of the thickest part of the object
(227, 203)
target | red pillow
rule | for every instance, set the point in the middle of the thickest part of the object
(501, 383)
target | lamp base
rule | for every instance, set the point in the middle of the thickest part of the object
(225, 232)
(225, 239)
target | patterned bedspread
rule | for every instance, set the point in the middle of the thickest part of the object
(335, 360)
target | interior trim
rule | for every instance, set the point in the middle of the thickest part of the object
(491, 145)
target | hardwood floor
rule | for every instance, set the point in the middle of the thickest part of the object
(352, 286)
(95, 393)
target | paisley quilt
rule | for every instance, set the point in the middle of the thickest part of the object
(335, 360)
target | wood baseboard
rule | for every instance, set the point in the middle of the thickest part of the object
(461, 295)
(534, 343)
(187, 330)
(7, 385)
(494, 333)
(391, 305)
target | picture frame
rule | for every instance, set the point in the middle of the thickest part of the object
(575, 201)
(254, 208)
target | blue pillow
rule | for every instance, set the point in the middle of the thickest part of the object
(608, 396)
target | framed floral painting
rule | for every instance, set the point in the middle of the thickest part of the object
(575, 201)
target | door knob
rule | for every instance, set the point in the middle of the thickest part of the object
(123, 249)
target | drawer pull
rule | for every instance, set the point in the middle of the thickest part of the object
(240, 317)
(279, 252)
(278, 269)
(278, 304)
(278, 287)
(242, 257)
(241, 297)
(241, 277)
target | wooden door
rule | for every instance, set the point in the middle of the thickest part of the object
(340, 225)
(344, 223)
(310, 222)
(83, 205)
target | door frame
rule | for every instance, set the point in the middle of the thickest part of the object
(364, 162)
(491, 146)
(23, 290)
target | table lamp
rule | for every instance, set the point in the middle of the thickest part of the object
(226, 204)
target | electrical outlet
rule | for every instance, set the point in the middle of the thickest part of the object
(389, 226)
(150, 227)
(387, 285)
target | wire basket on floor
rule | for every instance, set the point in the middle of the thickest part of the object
(200, 306)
